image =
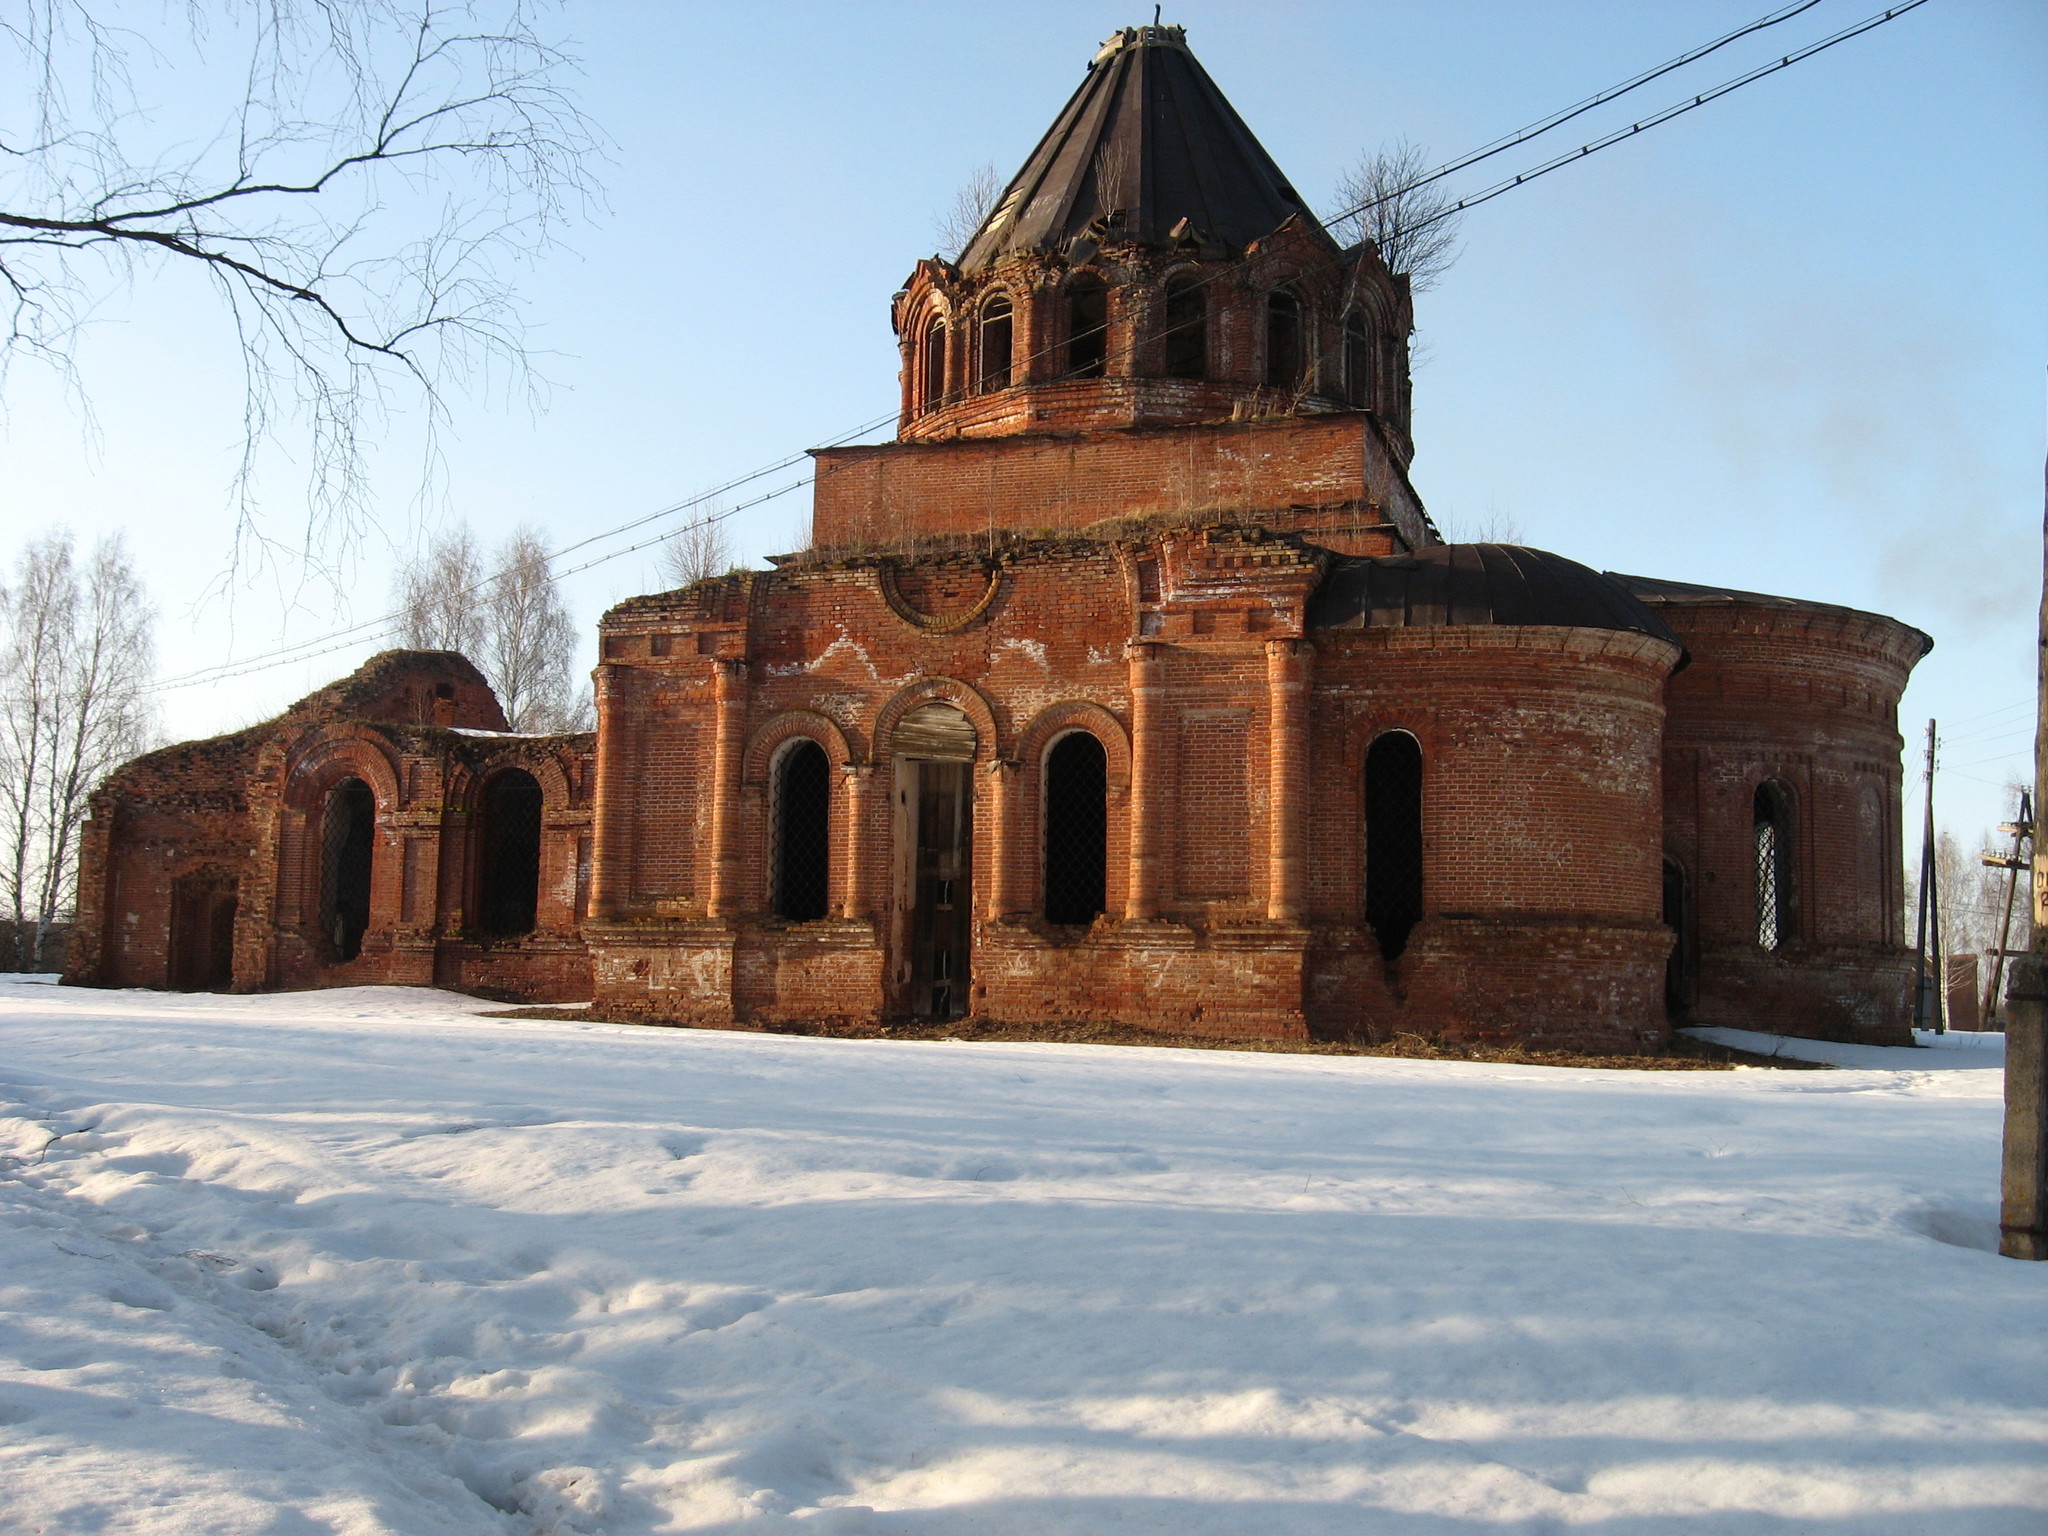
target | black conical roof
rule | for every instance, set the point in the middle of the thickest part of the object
(1147, 150)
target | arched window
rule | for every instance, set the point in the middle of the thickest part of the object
(1076, 829)
(1393, 839)
(1283, 340)
(348, 824)
(508, 863)
(935, 365)
(1775, 889)
(996, 322)
(1357, 360)
(802, 798)
(1187, 327)
(1087, 328)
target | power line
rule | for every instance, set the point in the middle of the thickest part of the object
(373, 628)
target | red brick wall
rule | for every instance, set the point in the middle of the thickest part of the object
(1805, 696)
(1332, 474)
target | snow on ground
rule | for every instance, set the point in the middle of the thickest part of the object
(362, 1262)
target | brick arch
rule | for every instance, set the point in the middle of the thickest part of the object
(949, 690)
(762, 745)
(466, 780)
(1057, 720)
(316, 764)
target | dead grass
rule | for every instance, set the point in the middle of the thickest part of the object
(1681, 1054)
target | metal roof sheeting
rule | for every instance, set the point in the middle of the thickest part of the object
(1146, 142)
(1477, 584)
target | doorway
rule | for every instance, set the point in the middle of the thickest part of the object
(202, 933)
(935, 745)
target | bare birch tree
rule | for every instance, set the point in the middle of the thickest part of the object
(78, 656)
(441, 596)
(1413, 226)
(529, 641)
(971, 206)
(506, 616)
(697, 553)
(354, 179)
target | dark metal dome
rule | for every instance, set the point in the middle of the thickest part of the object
(1476, 584)
(1147, 150)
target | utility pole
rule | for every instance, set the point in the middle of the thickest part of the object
(1928, 984)
(2023, 1192)
(2012, 864)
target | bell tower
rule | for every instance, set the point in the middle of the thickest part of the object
(1149, 266)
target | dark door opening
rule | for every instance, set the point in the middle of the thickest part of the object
(1393, 840)
(1678, 918)
(508, 874)
(347, 837)
(203, 933)
(941, 904)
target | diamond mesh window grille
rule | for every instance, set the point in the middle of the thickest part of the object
(508, 873)
(1393, 839)
(1076, 829)
(1774, 889)
(347, 835)
(801, 855)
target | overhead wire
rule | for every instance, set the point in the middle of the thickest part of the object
(356, 634)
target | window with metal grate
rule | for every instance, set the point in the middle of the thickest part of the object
(802, 798)
(1076, 829)
(935, 365)
(1087, 328)
(1775, 892)
(996, 320)
(1283, 340)
(1393, 839)
(508, 871)
(347, 837)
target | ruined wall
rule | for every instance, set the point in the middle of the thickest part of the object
(1804, 696)
(1330, 475)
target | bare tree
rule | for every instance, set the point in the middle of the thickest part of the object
(700, 551)
(441, 596)
(355, 179)
(506, 616)
(1413, 226)
(971, 206)
(78, 657)
(529, 641)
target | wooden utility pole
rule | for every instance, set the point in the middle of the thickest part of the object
(1929, 985)
(2012, 864)
(2023, 1204)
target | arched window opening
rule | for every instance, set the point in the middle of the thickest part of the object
(1775, 893)
(935, 365)
(1283, 340)
(347, 838)
(1357, 361)
(1076, 829)
(1393, 839)
(508, 869)
(802, 800)
(1679, 919)
(996, 323)
(1187, 328)
(1087, 328)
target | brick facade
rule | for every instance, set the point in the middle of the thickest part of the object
(1337, 779)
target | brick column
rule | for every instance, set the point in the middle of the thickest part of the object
(1006, 862)
(855, 900)
(729, 707)
(611, 813)
(1287, 666)
(1143, 889)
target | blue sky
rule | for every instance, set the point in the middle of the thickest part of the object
(1793, 342)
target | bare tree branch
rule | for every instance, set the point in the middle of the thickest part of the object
(971, 205)
(1415, 234)
(359, 184)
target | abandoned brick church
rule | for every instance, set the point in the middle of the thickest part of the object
(1130, 682)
